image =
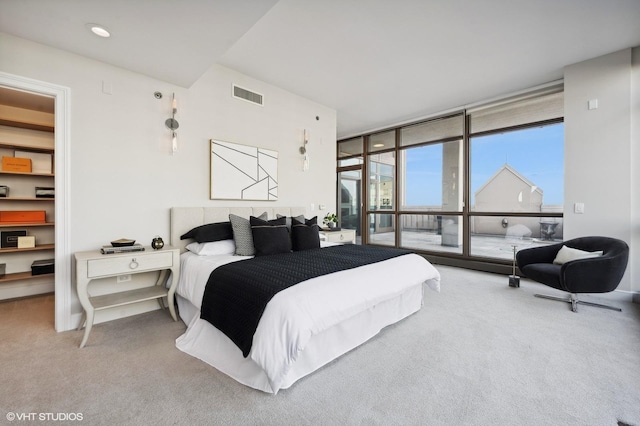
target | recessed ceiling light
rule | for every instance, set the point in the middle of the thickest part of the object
(378, 145)
(98, 30)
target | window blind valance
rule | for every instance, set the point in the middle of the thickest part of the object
(526, 109)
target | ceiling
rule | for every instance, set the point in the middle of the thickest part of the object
(377, 62)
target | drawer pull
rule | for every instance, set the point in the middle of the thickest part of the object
(134, 264)
(342, 236)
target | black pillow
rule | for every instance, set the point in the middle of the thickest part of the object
(300, 219)
(210, 232)
(305, 236)
(270, 237)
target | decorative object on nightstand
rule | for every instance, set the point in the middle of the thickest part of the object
(123, 242)
(121, 249)
(157, 243)
(331, 220)
(122, 245)
(514, 280)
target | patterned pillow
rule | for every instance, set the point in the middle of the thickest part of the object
(242, 234)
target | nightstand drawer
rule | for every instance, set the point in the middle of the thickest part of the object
(130, 263)
(346, 236)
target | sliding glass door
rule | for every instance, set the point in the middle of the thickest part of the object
(350, 200)
(350, 191)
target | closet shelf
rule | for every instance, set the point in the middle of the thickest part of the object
(36, 248)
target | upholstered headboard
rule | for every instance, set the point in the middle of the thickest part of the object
(184, 219)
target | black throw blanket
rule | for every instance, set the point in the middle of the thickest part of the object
(237, 293)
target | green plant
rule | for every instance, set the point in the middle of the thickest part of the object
(330, 217)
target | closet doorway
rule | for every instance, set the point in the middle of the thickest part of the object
(54, 245)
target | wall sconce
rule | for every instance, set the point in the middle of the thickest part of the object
(173, 124)
(303, 151)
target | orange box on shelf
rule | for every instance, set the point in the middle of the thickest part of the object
(19, 216)
(16, 164)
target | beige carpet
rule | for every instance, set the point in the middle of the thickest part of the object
(478, 353)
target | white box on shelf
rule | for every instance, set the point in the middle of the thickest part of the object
(27, 242)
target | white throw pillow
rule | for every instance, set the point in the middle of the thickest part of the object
(212, 248)
(567, 254)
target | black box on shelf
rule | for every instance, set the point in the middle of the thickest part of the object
(10, 238)
(45, 192)
(40, 267)
(4, 191)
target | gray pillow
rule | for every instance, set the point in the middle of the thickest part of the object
(242, 234)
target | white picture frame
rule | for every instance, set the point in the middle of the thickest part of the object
(242, 172)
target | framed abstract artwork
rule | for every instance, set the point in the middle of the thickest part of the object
(241, 172)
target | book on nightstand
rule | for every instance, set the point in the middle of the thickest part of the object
(124, 249)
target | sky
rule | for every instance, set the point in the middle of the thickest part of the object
(536, 153)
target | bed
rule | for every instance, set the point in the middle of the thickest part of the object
(296, 335)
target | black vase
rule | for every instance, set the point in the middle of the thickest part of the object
(157, 243)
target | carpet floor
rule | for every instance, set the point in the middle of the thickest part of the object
(478, 353)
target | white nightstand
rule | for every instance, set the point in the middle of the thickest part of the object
(346, 236)
(91, 265)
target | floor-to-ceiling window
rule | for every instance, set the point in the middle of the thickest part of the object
(516, 152)
(468, 185)
(431, 178)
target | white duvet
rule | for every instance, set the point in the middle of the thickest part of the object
(296, 314)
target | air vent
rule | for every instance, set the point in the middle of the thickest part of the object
(247, 95)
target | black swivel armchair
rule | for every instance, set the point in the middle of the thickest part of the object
(600, 274)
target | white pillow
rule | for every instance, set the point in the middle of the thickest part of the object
(212, 248)
(567, 254)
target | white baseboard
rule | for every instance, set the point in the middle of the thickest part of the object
(622, 295)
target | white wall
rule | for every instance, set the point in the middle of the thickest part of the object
(598, 153)
(123, 177)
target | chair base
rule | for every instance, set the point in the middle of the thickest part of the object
(573, 299)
